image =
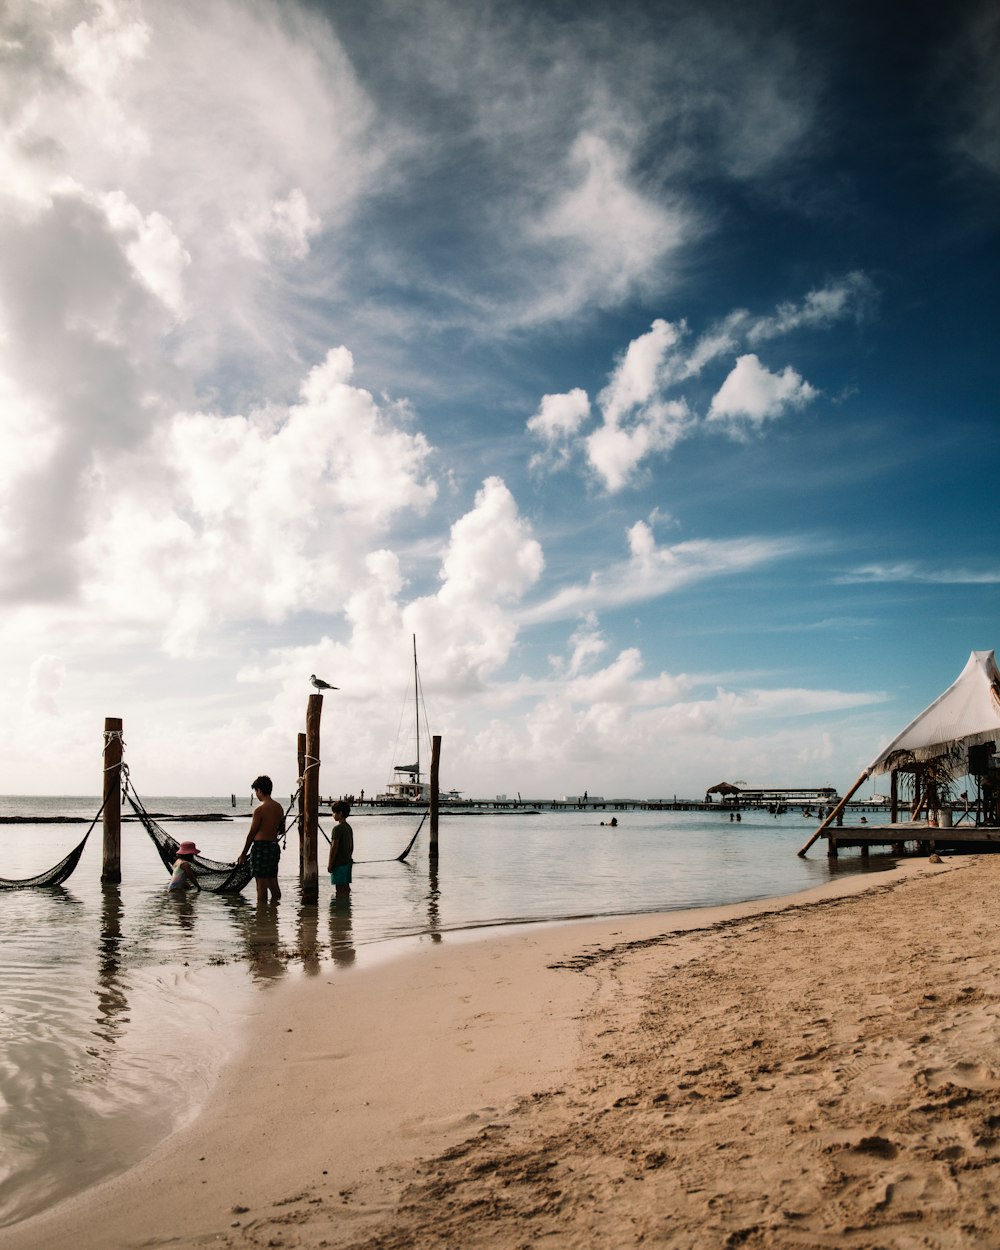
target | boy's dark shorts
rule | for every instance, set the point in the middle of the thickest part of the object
(264, 857)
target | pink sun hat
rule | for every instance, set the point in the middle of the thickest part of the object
(188, 848)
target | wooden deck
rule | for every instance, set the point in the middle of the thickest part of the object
(925, 838)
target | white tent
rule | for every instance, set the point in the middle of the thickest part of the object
(966, 714)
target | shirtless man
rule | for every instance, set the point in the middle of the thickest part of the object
(262, 842)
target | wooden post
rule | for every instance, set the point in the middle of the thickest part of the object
(893, 797)
(834, 814)
(111, 873)
(301, 814)
(310, 865)
(435, 767)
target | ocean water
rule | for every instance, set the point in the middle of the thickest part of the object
(118, 1004)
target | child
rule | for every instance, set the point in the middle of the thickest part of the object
(183, 874)
(341, 851)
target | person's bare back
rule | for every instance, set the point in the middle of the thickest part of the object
(266, 824)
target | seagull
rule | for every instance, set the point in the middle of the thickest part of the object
(320, 684)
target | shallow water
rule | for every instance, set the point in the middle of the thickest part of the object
(119, 1003)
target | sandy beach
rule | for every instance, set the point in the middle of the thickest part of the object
(814, 1071)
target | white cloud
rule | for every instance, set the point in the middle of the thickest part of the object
(638, 376)
(912, 571)
(152, 248)
(288, 502)
(849, 296)
(46, 676)
(652, 571)
(615, 451)
(638, 419)
(612, 236)
(751, 395)
(282, 227)
(491, 561)
(557, 420)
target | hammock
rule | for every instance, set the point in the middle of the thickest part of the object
(55, 876)
(397, 859)
(62, 871)
(213, 876)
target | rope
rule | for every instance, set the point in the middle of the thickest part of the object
(113, 735)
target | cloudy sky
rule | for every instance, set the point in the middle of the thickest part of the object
(641, 359)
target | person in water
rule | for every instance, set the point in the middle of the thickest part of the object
(341, 851)
(182, 876)
(262, 844)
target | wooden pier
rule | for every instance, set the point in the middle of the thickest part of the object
(916, 837)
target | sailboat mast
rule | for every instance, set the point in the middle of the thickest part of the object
(416, 703)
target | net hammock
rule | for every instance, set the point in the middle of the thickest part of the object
(213, 876)
(62, 871)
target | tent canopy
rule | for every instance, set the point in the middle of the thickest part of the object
(966, 714)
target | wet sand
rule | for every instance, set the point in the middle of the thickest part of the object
(816, 1071)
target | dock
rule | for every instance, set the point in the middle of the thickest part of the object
(917, 837)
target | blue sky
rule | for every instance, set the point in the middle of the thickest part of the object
(641, 360)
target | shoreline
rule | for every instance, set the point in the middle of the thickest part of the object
(315, 1131)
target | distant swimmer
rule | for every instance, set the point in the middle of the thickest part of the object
(320, 684)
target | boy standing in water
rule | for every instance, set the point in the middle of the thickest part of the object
(262, 841)
(341, 851)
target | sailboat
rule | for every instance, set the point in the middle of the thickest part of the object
(408, 784)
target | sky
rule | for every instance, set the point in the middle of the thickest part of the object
(639, 359)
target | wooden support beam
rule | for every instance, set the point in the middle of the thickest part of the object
(834, 814)
(301, 813)
(310, 864)
(111, 871)
(435, 792)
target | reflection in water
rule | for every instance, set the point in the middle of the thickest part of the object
(308, 927)
(264, 943)
(112, 1001)
(341, 931)
(182, 902)
(433, 895)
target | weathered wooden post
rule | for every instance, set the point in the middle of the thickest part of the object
(435, 767)
(301, 813)
(310, 866)
(111, 873)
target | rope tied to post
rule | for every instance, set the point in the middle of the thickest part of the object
(113, 735)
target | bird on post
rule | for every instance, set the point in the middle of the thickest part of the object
(320, 684)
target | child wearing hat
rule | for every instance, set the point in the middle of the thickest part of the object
(183, 874)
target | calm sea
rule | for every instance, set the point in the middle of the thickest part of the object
(119, 1004)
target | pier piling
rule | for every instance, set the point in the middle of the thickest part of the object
(301, 812)
(310, 788)
(435, 792)
(111, 871)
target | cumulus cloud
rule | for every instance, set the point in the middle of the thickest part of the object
(292, 501)
(637, 417)
(615, 450)
(492, 559)
(752, 394)
(555, 423)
